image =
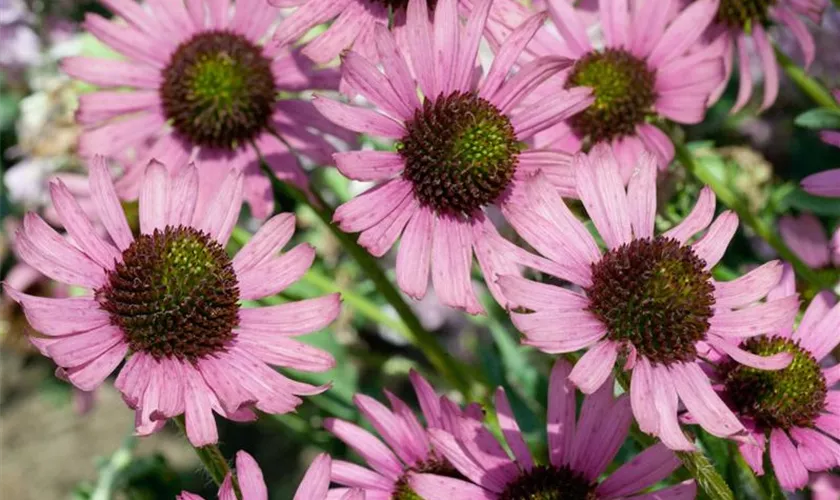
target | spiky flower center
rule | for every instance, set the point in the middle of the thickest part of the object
(546, 482)
(623, 86)
(460, 153)
(175, 294)
(791, 397)
(218, 89)
(654, 294)
(740, 13)
(434, 464)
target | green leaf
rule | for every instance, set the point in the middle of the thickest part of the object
(819, 119)
(805, 202)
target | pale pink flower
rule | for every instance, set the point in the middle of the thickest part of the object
(314, 485)
(806, 237)
(649, 301)
(407, 447)
(736, 25)
(197, 83)
(170, 300)
(797, 409)
(647, 64)
(460, 148)
(580, 450)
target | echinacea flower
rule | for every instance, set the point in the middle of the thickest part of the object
(314, 485)
(737, 22)
(459, 148)
(196, 82)
(169, 298)
(795, 412)
(407, 449)
(650, 67)
(649, 299)
(805, 236)
(580, 450)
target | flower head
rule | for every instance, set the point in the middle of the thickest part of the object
(313, 486)
(648, 66)
(737, 22)
(170, 299)
(580, 450)
(648, 299)
(460, 148)
(201, 85)
(407, 449)
(796, 408)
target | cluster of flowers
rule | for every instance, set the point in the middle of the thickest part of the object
(212, 97)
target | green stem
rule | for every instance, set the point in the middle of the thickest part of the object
(212, 459)
(441, 360)
(710, 482)
(761, 227)
(814, 89)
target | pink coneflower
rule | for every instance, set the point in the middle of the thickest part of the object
(805, 236)
(196, 82)
(650, 67)
(314, 485)
(459, 148)
(796, 408)
(170, 299)
(579, 453)
(407, 449)
(649, 299)
(739, 21)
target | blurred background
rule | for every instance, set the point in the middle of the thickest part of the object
(56, 442)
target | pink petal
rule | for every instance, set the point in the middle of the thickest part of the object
(665, 403)
(768, 66)
(96, 107)
(657, 142)
(223, 212)
(774, 362)
(285, 352)
(82, 348)
(451, 264)
(462, 77)
(748, 288)
(699, 218)
(112, 73)
(80, 228)
(350, 474)
(447, 38)
(183, 195)
(602, 193)
(369, 165)
(806, 237)
(745, 81)
(642, 471)
(511, 432)
(602, 428)
(561, 414)
(702, 402)
(595, 366)
(825, 183)
(713, 244)
(359, 119)
(396, 68)
(266, 243)
(108, 205)
(291, 319)
(89, 376)
(823, 338)
(432, 487)
(316, 481)
(559, 332)
(570, 26)
(277, 274)
(251, 481)
(473, 467)
(767, 317)
(366, 79)
(43, 248)
(508, 54)
(414, 256)
(427, 399)
(615, 21)
(641, 395)
(370, 207)
(686, 490)
(367, 446)
(817, 451)
(379, 238)
(683, 32)
(57, 317)
(642, 192)
(154, 194)
(421, 47)
(789, 469)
